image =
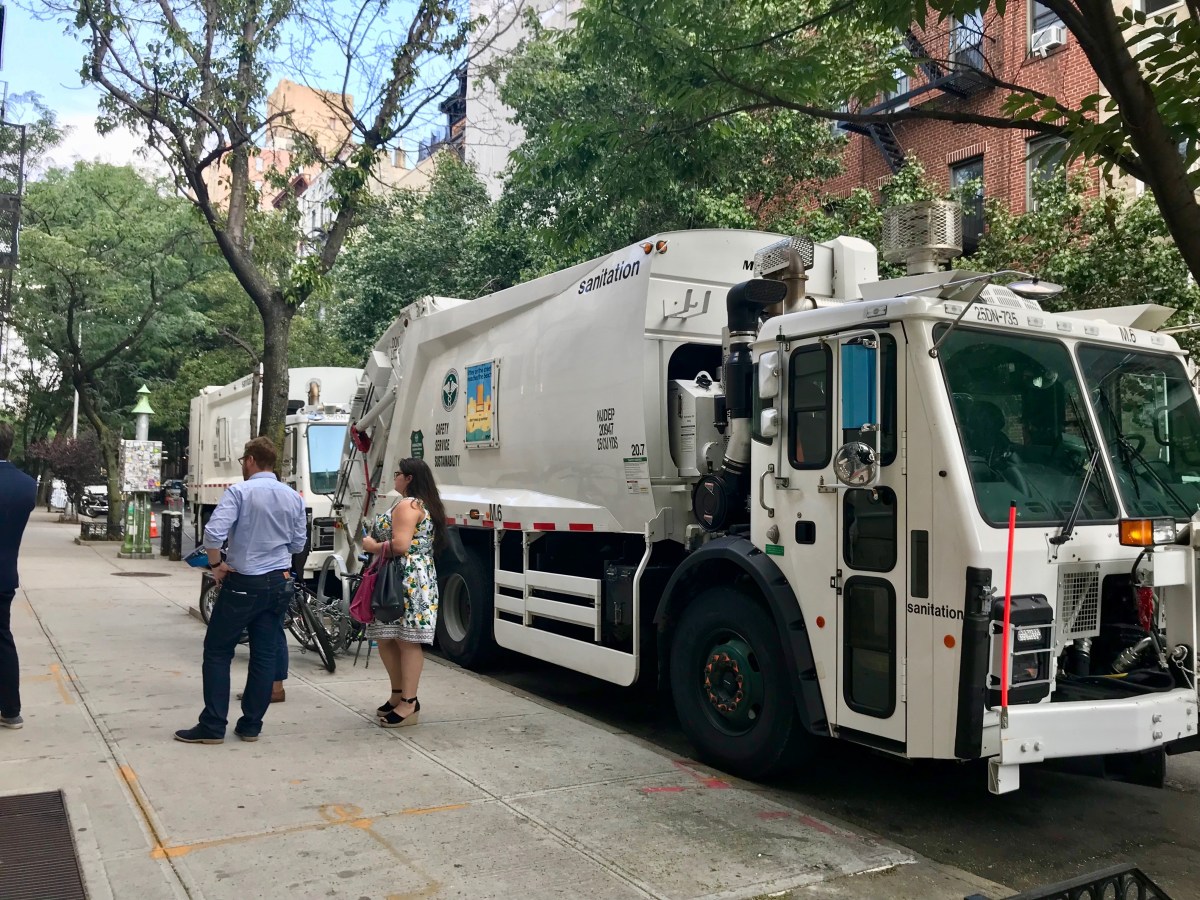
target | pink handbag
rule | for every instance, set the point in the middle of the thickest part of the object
(360, 606)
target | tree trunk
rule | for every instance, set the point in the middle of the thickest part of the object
(108, 449)
(277, 327)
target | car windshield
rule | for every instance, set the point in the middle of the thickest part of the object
(324, 456)
(1019, 411)
(1151, 426)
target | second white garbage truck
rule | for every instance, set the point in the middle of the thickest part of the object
(738, 462)
(314, 431)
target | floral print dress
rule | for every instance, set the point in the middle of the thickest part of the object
(420, 612)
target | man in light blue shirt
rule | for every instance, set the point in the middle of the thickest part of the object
(263, 522)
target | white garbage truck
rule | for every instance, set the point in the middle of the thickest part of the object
(314, 432)
(741, 464)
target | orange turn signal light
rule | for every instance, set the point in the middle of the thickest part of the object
(647, 248)
(1147, 532)
(661, 246)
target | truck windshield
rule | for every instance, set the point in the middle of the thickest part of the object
(1019, 411)
(324, 457)
(1151, 426)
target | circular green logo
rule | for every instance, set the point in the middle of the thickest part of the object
(450, 390)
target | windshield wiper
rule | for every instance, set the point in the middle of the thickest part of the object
(1129, 453)
(1069, 526)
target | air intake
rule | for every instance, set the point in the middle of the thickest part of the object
(922, 235)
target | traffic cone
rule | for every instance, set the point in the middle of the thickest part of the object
(153, 526)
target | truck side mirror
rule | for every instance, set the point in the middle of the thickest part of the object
(768, 423)
(860, 385)
(768, 375)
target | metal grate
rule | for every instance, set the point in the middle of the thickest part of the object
(1078, 604)
(782, 254)
(37, 854)
(933, 225)
(1120, 882)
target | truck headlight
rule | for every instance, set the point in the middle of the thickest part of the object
(1147, 532)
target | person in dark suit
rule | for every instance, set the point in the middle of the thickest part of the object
(18, 496)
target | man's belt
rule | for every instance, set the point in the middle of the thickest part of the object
(264, 578)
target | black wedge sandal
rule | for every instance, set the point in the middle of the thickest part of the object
(391, 720)
(388, 707)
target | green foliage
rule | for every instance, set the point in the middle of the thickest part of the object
(106, 292)
(1106, 251)
(612, 150)
(446, 241)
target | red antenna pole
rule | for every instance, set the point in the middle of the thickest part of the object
(1004, 674)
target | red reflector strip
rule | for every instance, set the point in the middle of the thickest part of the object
(580, 526)
(450, 520)
(543, 526)
(516, 526)
(488, 523)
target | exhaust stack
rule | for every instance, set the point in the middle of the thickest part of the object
(720, 498)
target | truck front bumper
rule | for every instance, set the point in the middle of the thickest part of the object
(1091, 728)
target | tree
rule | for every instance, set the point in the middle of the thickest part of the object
(76, 462)
(108, 266)
(1105, 251)
(193, 79)
(446, 240)
(609, 157)
(831, 58)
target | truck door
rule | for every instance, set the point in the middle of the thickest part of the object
(840, 538)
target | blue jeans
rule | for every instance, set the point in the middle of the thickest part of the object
(281, 654)
(255, 604)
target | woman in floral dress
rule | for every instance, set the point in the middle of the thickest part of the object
(408, 534)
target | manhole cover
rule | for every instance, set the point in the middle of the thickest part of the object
(141, 574)
(37, 849)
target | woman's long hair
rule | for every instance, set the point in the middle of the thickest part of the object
(424, 488)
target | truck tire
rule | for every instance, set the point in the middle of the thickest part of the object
(729, 682)
(465, 604)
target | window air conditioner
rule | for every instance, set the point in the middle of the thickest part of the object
(1046, 39)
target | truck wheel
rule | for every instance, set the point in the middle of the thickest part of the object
(730, 685)
(465, 604)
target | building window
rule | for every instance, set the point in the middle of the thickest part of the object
(258, 163)
(1150, 7)
(901, 88)
(1046, 29)
(1043, 160)
(966, 41)
(966, 182)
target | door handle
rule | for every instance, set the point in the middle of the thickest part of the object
(761, 486)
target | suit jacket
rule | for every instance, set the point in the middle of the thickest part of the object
(18, 496)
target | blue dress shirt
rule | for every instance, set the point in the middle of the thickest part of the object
(264, 521)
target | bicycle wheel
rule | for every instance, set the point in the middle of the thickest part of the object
(321, 642)
(207, 600)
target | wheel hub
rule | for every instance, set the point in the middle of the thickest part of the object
(732, 685)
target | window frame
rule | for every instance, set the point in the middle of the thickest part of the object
(792, 409)
(1035, 145)
(958, 167)
(851, 584)
(1049, 17)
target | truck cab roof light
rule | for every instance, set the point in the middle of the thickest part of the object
(1147, 532)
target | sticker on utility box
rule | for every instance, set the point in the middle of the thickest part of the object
(637, 475)
(774, 550)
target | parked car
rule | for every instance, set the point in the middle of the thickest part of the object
(94, 501)
(169, 487)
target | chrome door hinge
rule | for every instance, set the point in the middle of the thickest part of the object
(835, 582)
(904, 680)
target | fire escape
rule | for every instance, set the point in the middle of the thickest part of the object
(965, 75)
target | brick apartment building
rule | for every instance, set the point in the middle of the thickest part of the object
(1027, 46)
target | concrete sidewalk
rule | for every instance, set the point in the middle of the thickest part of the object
(494, 794)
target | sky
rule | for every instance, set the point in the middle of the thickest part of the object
(39, 57)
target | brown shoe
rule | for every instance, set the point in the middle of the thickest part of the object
(276, 696)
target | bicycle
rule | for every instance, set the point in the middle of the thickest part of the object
(306, 626)
(305, 618)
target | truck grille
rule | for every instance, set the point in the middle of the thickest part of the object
(1078, 602)
(322, 533)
